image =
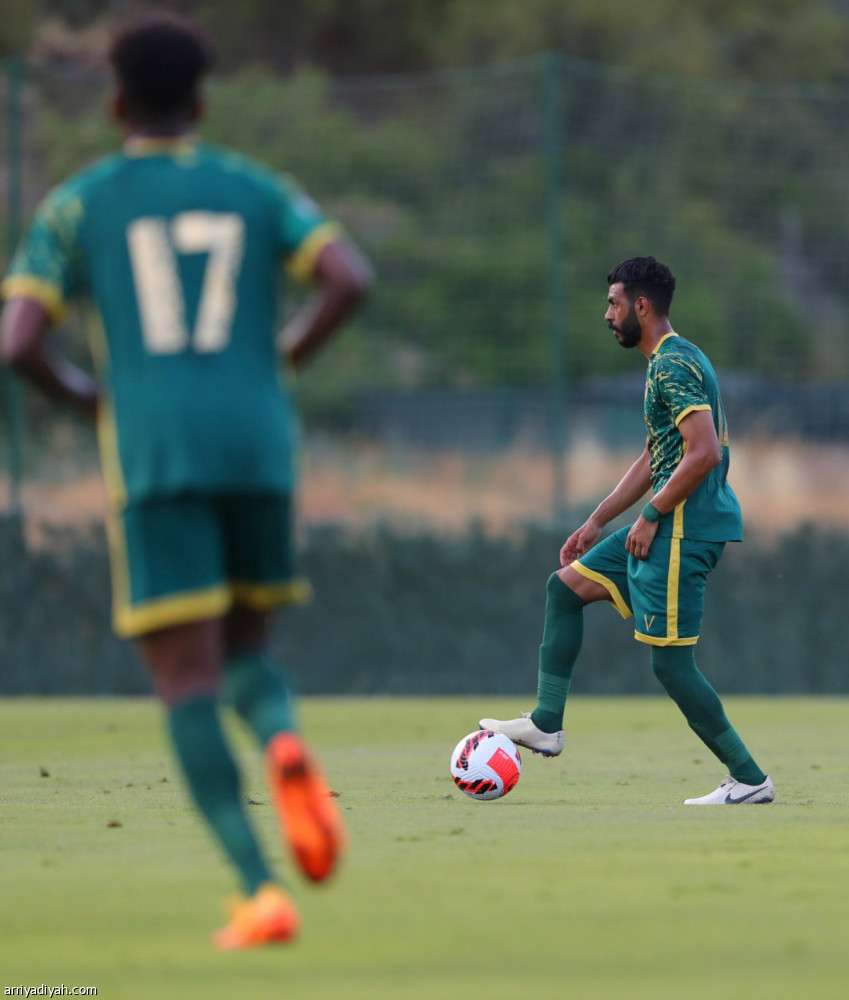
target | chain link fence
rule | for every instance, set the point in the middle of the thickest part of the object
(493, 202)
(479, 397)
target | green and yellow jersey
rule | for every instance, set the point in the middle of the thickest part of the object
(174, 248)
(679, 380)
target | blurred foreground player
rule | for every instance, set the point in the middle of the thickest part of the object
(175, 250)
(657, 567)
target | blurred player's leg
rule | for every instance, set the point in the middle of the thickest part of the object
(309, 819)
(257, 690)
(185, 662)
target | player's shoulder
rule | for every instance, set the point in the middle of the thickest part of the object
(90, 177)
(66, 201)
(675, 350)
(250, 170)
(678, 361)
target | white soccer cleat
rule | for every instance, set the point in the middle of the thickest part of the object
(526, 734)
(735, 793)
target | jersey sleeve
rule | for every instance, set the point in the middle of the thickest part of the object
(681, 384)
(47, 265)
(303, 229)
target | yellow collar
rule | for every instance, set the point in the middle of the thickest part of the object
(666, 336)
(158, 145)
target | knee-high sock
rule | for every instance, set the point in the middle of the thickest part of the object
(562, 638)
(675, 668)
(213, 779)
(260, 695)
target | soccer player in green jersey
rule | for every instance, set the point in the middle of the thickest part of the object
(174, 249)
(657, 567)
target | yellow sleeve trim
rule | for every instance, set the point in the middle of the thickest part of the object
(25, 286)
(616, 598)
(302, 262)
(689, 410)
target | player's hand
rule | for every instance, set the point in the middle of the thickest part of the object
(579, 542)
(640, 537)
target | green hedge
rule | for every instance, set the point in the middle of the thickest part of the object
(426, 614)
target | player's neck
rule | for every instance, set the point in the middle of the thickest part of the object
(160, 130)
(653, 334)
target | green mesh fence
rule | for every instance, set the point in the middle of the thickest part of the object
(493, 202)
(480, 383)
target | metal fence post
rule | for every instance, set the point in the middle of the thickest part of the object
(556, 276)
(14, 403)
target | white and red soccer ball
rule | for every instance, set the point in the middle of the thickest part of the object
(485, 765)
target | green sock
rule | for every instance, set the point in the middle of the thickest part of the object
(213, 780)
(562, 637)
(739, 761)
(675, 668)
(260, 695)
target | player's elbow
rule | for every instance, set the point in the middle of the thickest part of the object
(14, 351)
(346, 292)
(708, 458)
(358, 280)
(22, 329)
(345, 274)
(19, 353)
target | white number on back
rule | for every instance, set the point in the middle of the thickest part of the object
(154, 244)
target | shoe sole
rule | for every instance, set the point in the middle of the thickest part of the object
(308, 816)
(722, 802)
(548, 754)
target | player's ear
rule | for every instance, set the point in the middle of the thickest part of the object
(116, 108)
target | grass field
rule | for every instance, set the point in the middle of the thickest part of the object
(589, 881)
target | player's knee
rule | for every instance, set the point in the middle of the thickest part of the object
(561, 595)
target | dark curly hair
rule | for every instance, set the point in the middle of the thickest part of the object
(647, 277)
(159, 61)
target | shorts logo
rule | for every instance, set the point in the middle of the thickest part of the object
(649, 622)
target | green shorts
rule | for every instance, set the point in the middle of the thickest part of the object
(189, 557)
(665, 593)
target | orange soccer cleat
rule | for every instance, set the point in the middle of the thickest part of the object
(309, 818)
(267, 917)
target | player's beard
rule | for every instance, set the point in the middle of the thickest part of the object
(629, 333)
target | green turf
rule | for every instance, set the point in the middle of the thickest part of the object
(589, 881)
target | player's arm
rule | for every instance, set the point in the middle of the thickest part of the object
(702, 453)
(343, 276)
(631, 487)
(24, 346)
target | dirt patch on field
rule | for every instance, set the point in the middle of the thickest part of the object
(780, 486)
